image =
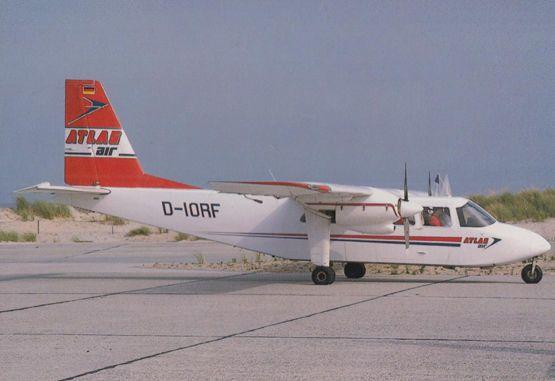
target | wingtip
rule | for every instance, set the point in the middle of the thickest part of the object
(32, 188)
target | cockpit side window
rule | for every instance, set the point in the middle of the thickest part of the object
(436, 216)
(471, 215)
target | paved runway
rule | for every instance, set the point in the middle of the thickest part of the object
(92, 312)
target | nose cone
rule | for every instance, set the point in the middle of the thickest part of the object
(518, 243)
(538, 245)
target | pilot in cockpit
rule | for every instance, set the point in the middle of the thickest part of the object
(437, 217)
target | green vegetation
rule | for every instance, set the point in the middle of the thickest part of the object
(47, 210)
(28, 237)
(394, 269)
(76, 239)
(185, 237)
(200, 258)
(12, 236)
(531, 204)
(113, 220)
(143, 230)
(9, 236)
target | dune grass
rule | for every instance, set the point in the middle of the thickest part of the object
(113, 220)
(11, 236)
(143, 230)
(43, 209)
(184, 237)
(535, 205)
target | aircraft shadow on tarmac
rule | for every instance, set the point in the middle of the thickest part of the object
(229, 284)
(206, 284)
(466, 280)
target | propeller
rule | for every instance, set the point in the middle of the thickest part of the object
(407, 209)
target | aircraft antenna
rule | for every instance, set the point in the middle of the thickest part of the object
(271, 174)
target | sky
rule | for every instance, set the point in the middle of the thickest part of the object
(342, 92)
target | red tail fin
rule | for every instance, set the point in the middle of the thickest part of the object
(97, 151)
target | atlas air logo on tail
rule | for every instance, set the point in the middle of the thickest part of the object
(107, 141)
(104, 137)
(92, 107)
(98, 142)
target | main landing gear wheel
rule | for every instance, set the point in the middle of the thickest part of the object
(531, 273)
(322, 275)
(354, 270)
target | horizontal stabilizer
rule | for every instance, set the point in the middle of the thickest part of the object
(54, 189)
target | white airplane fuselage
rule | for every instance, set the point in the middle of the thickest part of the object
(273, 226)
(295, 220)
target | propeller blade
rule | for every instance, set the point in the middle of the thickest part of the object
(429, 183)
(405, 186)
(406, 231)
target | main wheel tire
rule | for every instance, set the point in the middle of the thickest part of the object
(531, 277)
(322, 275)
(354, 270)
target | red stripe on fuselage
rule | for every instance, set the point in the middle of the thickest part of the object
(369, 236)
(399, 237)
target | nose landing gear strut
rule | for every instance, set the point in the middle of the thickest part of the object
(532, 273)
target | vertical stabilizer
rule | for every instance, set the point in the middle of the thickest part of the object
(97, 150)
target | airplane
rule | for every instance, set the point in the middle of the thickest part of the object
(308, 221)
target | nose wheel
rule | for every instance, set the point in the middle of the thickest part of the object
(323, 275)
(531, 273)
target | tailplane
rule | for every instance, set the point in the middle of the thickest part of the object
(97, 150)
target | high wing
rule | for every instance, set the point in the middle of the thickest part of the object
(300, 191)
(318, 224)
(54, 189)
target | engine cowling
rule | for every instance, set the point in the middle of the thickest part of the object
(366, 215)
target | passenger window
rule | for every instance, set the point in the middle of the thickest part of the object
(436, 216)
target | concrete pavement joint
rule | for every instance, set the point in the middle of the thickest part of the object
(402, 339)
(363, 338)
(89, 252)
(121, 293)
(306, 316)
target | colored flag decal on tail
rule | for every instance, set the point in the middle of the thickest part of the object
(88, 90)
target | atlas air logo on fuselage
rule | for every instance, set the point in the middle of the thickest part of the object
(482, 242)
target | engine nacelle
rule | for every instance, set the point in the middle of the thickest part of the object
(373, 229)
(366, 214)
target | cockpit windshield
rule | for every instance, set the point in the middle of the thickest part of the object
(471, 215)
